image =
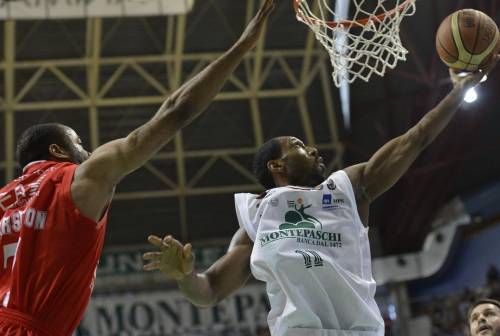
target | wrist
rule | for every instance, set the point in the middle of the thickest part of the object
(459, 91)
(186, 278)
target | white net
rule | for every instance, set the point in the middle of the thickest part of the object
(367, 43)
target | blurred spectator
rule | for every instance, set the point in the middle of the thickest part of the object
(483, 317)
(449, 314)
(492, 275)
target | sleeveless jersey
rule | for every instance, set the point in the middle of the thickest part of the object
(312, 251)
(49, 251)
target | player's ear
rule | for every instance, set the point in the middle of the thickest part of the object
(58, 152)
(275, 166)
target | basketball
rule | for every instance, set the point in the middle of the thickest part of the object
(467, 39)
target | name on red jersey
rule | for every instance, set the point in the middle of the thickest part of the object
(30, 218)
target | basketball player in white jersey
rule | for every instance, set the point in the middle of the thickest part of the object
(306, 236)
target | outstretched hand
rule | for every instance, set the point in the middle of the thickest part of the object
(474, 78)
(174, 260)
(254, 29)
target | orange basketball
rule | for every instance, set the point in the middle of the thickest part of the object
(467, 39)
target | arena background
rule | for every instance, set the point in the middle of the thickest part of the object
(432, 235)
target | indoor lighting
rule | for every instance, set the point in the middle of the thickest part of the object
(470, 96)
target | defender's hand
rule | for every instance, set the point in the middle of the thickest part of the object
(254, 29)
(474, 78)
(174, 260)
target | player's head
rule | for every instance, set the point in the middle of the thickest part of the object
(484, 318)
(55, 142)
(287, 161)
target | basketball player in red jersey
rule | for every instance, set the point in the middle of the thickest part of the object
(53, 217)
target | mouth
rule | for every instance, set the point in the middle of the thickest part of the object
(484, 328)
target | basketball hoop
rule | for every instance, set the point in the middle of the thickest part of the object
(367, 43)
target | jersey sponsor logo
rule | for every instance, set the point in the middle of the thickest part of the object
(330, 203)
(331, 185)
(297, 218)
(303, 228)
(327, 199)
(309, 256)
(305, 236)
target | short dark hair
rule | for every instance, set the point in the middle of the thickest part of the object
(479, 302)
(33, 144)
(271, 150)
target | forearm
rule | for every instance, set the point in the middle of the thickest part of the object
(182, 107)
(433, 123)
(390, 162)
(175, 113)
(195, 95)
(224, 277)
(197, 289)
(112, 161)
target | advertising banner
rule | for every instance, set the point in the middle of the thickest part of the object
(66, 9)
(168, 313)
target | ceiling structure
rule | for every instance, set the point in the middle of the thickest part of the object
(106, 76)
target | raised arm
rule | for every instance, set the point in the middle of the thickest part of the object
(109, 163)
(206, 289)
(389, 163)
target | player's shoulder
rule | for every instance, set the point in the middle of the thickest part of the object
(338, 180)
(60, 171)
(250, 199)
(348, 174)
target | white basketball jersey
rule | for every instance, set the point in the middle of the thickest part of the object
(312, 251)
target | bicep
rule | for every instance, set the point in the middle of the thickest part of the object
(112, 161)
(232, 270)
(107, 164)
(94, 180)
(363, 199)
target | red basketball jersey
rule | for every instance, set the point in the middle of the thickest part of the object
(48, 250)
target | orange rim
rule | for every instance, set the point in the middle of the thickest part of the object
(348, 23)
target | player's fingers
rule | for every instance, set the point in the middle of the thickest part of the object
(151, 266)
(491, 64)
(265, 9)
(167, 242)
(155, 240)
(269, 5)
(175, 246)
(453, 75)
(151, 255)
(187, 251)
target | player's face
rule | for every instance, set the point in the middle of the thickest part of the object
(76, 151)
(304, 167)
(484, 320)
